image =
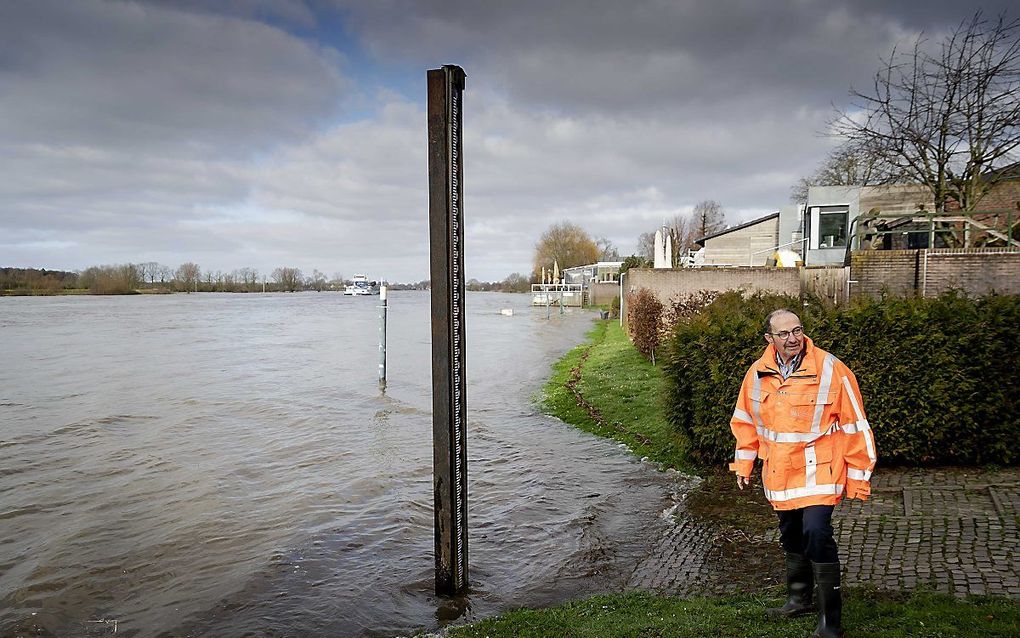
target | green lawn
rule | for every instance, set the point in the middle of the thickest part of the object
(866, 613)
(625, 391)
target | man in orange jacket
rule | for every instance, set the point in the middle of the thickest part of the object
(800, 410)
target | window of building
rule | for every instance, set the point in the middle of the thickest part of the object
(829, 224)
(607, 275)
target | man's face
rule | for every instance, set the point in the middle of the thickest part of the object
(783, 338)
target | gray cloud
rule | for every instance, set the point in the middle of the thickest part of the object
(289, 12)
(127, 75)
(120, 121)
(639, 55)
(225, 133)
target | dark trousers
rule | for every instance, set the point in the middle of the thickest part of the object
(809, 531)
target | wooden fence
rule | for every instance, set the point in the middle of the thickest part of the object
(829, 283)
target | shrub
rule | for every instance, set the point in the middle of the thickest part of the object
(939, 376)
(634, 261)
(682, 307)
(706, 358)
(644, 314)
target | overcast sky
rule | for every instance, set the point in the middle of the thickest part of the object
(266, 133)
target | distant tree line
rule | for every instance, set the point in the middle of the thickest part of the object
(153, 277)
(37, 279)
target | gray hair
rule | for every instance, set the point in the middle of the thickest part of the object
(768, 319)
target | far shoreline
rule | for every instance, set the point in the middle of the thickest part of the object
(85, 292)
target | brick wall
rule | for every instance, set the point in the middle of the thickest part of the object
(1004, 195)
(975, 271)
(874, 272)
(666, 284)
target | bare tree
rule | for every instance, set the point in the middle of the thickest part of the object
(249, 277)
(515, 282)
(646, 245)
(187, 275)
(848, 165)
(566, 244)
(166, 274)
(680, 229)
(607, 250)
(949, 119)
(337, 281)
(289, 279)
(149, 271)
(708, 218)
(239, 278)
(318, 280)
(111, 280)
(682, 232)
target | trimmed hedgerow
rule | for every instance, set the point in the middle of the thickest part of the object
(940, 377)
(705, 362)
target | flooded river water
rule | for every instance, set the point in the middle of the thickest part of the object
(225, 465)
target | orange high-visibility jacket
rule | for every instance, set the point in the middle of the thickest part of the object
(810, 429)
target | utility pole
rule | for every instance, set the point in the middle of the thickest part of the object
(449, 370)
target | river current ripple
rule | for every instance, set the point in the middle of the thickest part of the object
(225, 465)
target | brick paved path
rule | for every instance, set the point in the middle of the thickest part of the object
(954, 530)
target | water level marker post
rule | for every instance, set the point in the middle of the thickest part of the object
(449, 371)
(382, 337)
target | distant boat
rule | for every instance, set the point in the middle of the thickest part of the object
(360, 286)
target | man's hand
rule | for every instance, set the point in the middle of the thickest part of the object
(742, 481)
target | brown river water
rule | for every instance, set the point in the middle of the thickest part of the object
(226, 465)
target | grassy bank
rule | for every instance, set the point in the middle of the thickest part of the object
(621, 398)
(621, 394)
(868, 613)
(21, 292)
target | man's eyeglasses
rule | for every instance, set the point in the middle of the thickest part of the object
(785, 334)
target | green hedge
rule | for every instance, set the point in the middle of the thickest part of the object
(940, 377)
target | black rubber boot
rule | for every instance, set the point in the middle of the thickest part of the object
(830, 601)
(799, 586)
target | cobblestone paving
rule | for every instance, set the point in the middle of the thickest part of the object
(680, 562)
(953, 530)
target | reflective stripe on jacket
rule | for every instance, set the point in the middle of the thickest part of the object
(810, 429)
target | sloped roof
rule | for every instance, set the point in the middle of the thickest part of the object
(701, 241)
(1010, 171)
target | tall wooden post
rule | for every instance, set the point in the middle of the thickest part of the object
(449, 371)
